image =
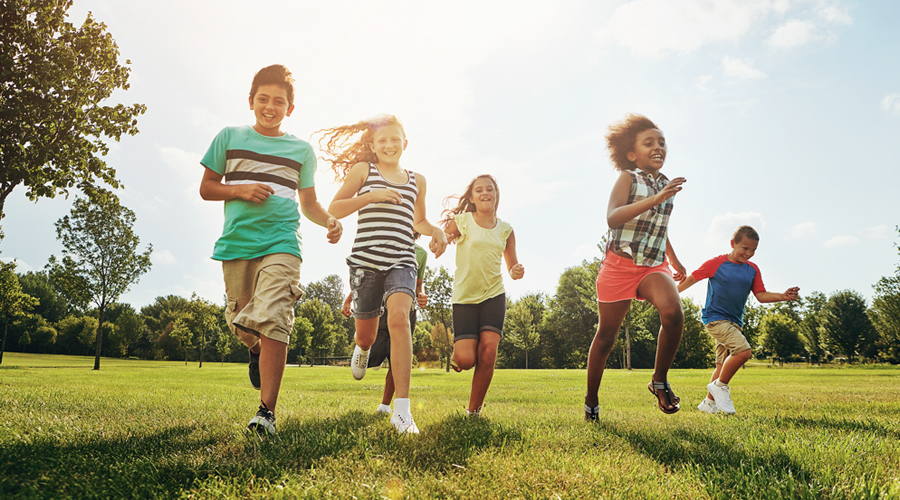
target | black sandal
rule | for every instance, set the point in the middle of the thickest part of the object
(664, 390)
(591, 414)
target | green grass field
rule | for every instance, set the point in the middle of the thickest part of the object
(141, 429)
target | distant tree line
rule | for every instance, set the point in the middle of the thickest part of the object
(541, 331)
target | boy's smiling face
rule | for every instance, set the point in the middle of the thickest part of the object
(270, 106)
(743, 250)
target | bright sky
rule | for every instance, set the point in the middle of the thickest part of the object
(781, 114)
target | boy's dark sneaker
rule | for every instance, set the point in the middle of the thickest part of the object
(254, 371)
(263, 422)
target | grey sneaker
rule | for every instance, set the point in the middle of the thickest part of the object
(722, 395)
(254, 371)
(708, 406)
(476, 413)
(358, 363)
(383, 408)
(404, 423)
(263, 422)
(591, 414)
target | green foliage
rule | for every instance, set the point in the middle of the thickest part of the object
(327, 330)
(439, 311)
(301, 338)
(100, 260)
(160, 318)
(697, 348)
(53, 128)
(52, 304)
(780, 335)
(13, 301)
(522, 329)
(571, 318)
(76, 334)
(422, 348)
(811, 326)
(753, 315)
(885, 315)
(847, 328)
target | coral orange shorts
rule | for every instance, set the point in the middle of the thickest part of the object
(619, 278)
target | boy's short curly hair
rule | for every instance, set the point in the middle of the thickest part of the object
(744, 232)
(621, 136)
(276, 74)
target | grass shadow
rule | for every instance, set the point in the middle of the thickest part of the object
(726, 468)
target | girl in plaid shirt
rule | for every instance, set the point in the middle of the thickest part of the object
(638, 255)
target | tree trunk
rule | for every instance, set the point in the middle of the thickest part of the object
(526, 358)
(627, 347)
(3, 342)
(99, 339)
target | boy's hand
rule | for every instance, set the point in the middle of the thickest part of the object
(438, 243)
(792, 293)
(335, 230)
(422, 300)
(517, 271)
(257, 193)
(386, 195)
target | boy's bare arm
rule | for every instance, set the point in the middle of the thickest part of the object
(212, 189)
(687, 283)
(314, 211)
(792, 293)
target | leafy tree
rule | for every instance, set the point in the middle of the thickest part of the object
(53, 305)
(160, 318)
(76, 334)
(439, 284)
(100, 259)
(53, 128)
(811, 326)
(330, 290)
(753, 316)
(885, 315)
(847, 327)
(422, 348)
(13, 301)
(129, 327)
(442, 341)
(780, 335)
(199, 327)
(301, 337)
(697, 348)
(183, 334)
(571, 318)
(521, 329)
(326, 328)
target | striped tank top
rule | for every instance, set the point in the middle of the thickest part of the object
(384, 231)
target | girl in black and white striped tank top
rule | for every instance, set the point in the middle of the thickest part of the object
(384, 234)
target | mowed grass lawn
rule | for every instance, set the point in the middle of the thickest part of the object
(141, 429)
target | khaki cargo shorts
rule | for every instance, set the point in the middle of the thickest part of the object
(261, 293)
(729, 339)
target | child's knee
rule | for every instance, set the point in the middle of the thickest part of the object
(465, 361)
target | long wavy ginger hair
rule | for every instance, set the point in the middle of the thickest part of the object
(348, 145)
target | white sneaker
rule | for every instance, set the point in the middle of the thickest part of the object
(722, 395)
(404, 423)
(358, 363)
(383, 409)
(708, 406)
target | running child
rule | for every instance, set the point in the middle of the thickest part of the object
(381, 349)
(731, 279)
(263, 174)
(479, 299)
(635, 265)
(391, 205)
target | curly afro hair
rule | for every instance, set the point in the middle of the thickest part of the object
(621, 136)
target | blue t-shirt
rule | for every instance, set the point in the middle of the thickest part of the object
(730, 284)
(244, 156)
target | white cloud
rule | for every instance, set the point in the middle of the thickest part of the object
(841, 241)
(891, 104)
(736, 68)
(184, 162)
(586, 251)
(834, 15)
(651, 28)
(722, 226)
(791, 34)
(702, 82)
(803, 230)
(163, 257)
(879, 232)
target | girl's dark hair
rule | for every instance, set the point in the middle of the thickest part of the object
(463, 203)
(621, 137)
(344, 146)
(275, 74)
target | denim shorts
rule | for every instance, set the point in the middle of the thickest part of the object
(469, 320)
(370, 288)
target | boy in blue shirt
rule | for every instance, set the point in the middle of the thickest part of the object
(731, 279)
(264, 175)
